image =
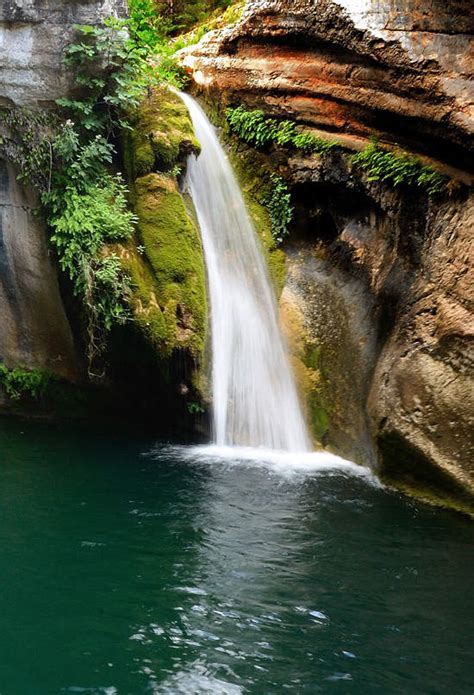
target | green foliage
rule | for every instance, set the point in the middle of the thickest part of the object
(111, 69)
(251, 126)
(29, 143)
(186, 13)
(280, 209)
(217, 20)
(68, 157)
(87, 208)
(69, 161)
(151, 31)
(168, 69)
(398, 168)
(22, 383)
(195, 408)
(146, 25)
(83, 218)
(255, 129)
(107, 292)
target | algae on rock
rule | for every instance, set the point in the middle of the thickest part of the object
(161, 135)
(165, 259)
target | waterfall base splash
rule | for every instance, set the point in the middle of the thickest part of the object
(282, 463)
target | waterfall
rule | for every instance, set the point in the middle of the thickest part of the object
(255, 401)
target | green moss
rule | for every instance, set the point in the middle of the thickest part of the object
(165, 259)
(168, 277)
(319, 417)
(318, 414)
(162, 134)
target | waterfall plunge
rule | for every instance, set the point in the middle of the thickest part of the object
(254, 394)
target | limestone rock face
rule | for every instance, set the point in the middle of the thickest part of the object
(423, 388)
(35, 332)
(399, 69)
(407, 261)
(33, 35)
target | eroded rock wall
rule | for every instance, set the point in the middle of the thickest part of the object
(407, 261)
(34, 329)
(33, 35)
(400, 70)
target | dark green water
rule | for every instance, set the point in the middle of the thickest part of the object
(127, 574)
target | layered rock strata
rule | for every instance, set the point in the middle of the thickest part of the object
(402, 71)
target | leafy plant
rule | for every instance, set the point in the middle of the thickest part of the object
(68, 157)
(87, 208)
(151, 31)
(110, 65)
(187, 13)
(22, 383)
(195, 408)
(147, 26)
(280, 209)
(255, 129)
(398, 168)
(29, 143)
(83, 218)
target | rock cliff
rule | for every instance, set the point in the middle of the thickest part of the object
(403, 73)
(33, 35)
(400, 389)
(35, 330)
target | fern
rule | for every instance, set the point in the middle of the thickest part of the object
(255, 129)
(280, 209)
(398, 168)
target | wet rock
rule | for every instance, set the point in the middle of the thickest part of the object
(403, 71)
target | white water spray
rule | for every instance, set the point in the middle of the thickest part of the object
(254, 394)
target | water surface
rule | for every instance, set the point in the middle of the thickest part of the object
(185, 571)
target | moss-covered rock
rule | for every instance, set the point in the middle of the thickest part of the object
(305, 357)
(167, 269)
(161, 135)
(164, 259)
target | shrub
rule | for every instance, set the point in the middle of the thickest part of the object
(22, 383)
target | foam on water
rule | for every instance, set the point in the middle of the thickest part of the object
(283, 463)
